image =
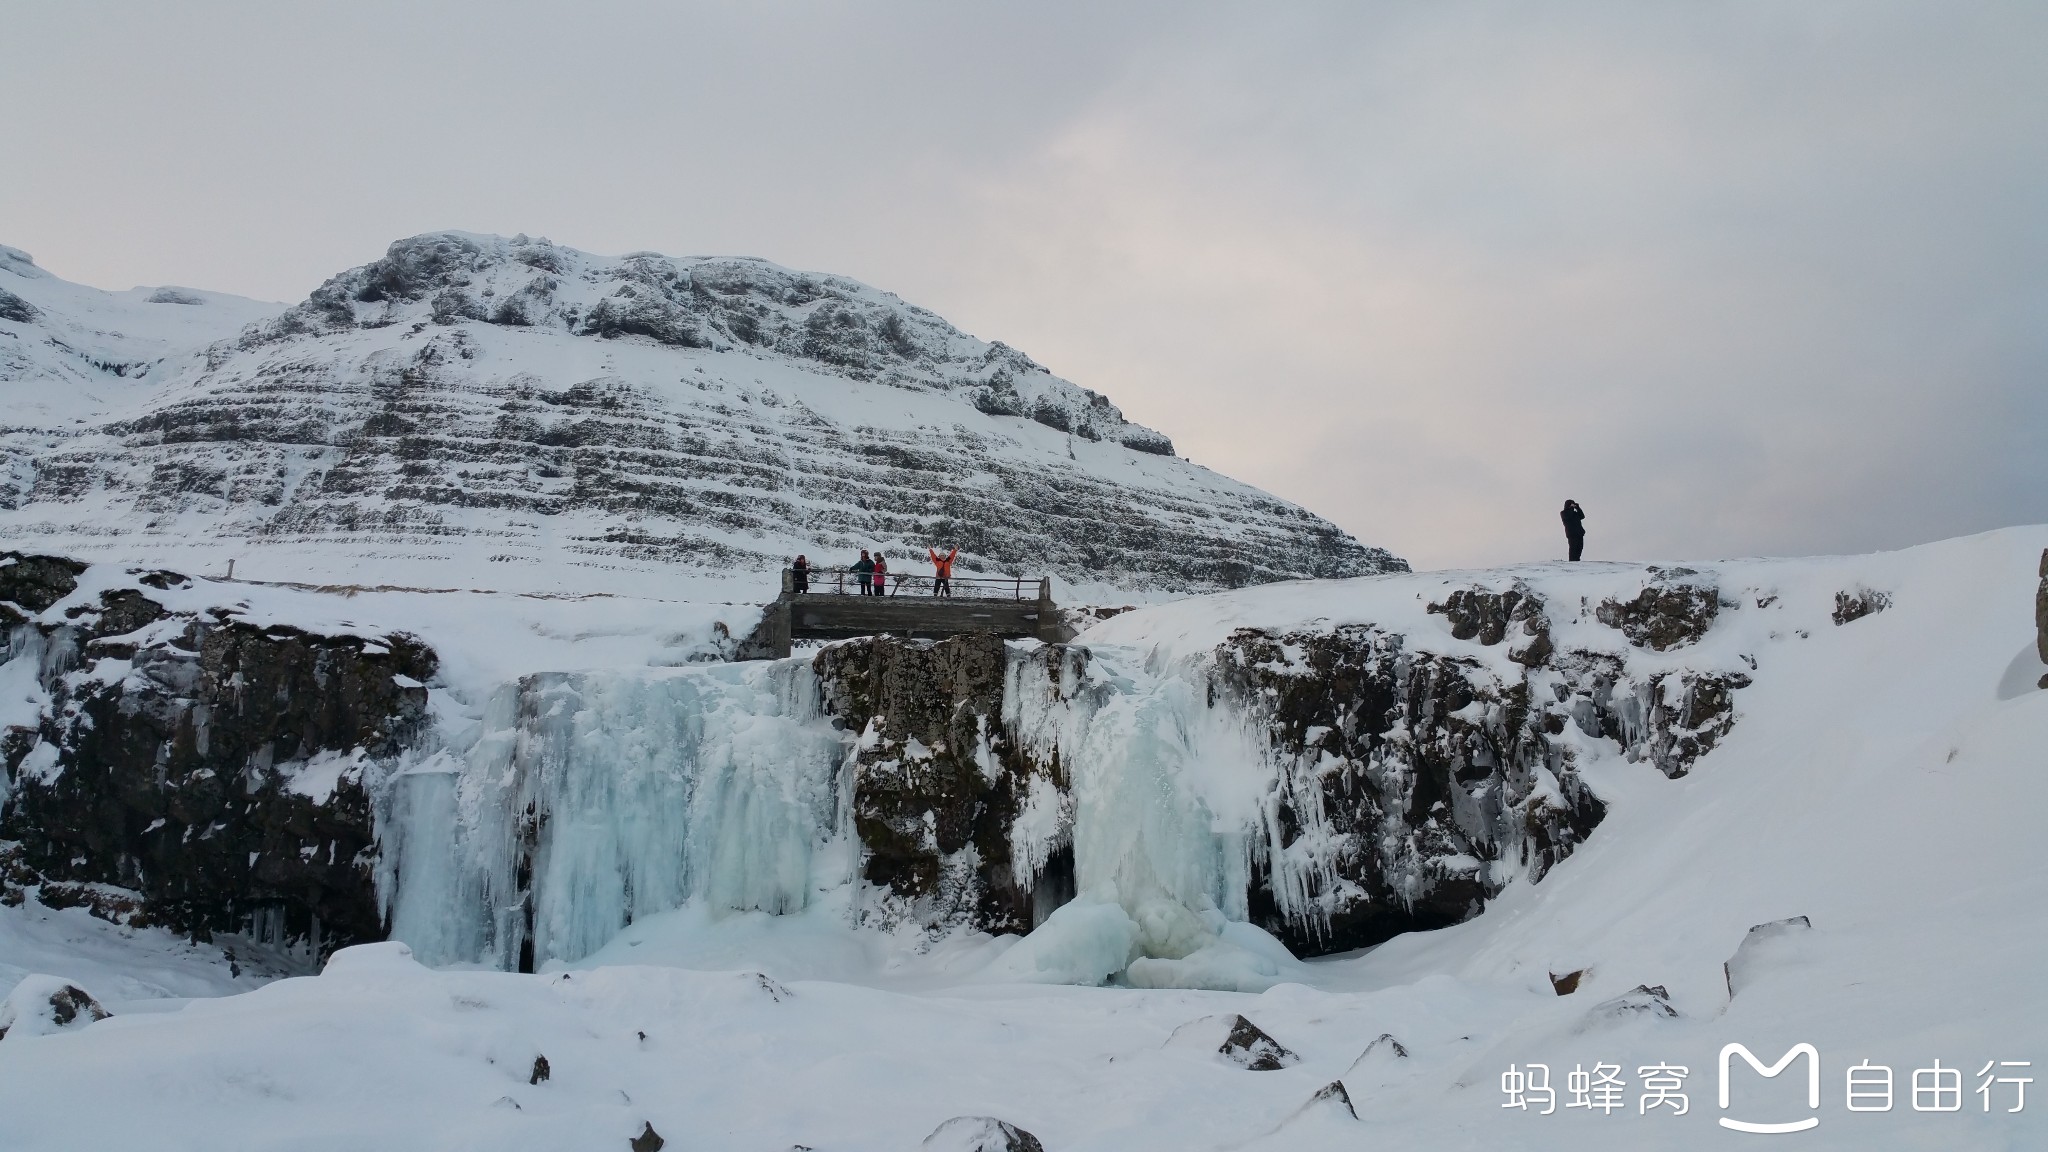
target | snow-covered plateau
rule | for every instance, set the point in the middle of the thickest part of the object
(1323, 864)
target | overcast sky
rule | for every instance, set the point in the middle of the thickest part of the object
(1742, 278)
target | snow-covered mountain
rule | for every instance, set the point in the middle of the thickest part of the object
(474, 410)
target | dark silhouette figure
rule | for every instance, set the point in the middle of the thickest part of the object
(1574, 527)
(942, 578)
(800, 575)
(881, 575)
(863, 573)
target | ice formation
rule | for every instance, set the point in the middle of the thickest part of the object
(592, 799)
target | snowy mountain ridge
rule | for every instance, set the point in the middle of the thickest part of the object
(563, 421)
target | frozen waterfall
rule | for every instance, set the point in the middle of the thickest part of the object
(591, 799)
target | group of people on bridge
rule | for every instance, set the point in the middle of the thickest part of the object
(870, 573)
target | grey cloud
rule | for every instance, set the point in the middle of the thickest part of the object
(1740, 277)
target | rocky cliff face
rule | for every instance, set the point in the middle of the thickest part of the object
(1336, 783)
(193, 770)
(468, 401)
(938, 783)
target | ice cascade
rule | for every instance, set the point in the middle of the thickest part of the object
(591, 799)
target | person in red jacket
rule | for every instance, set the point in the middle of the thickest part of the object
(942, 579)
(881, 575)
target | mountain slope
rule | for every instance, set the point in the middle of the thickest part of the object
(472, 404)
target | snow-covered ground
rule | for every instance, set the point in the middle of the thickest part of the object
(1883, 780)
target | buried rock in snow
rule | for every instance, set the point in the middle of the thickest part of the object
(1763, 948)
(980, 1134)
(40, 1005)
(648, 1140)
(1236, 1040)
(1331, 1102)
(1383, 1053)
(1643, 1000)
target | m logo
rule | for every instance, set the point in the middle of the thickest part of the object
(1785, 1061)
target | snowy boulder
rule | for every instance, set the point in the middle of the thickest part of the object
(373, 960)
(40, 1005)
(980, 1134)
(1383, 1053)
(1642, 1001)
(1332, 1100)
(1671, 611)
(1764, 948)
(1236, 1040)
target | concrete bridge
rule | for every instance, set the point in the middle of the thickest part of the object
(832, 609)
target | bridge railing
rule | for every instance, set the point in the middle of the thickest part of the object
(846, 582)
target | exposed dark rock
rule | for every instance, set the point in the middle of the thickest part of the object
(540, 1070)
(1567, 983)
(35, 582)
(1858, 604)
(2041, 615)
(980, 1134)
(1670, 612)
(1425, 794)
(1249, 1047)
(1490, 617)
(164, 788)
(14, 308)
(647, 1141)
(937, 781)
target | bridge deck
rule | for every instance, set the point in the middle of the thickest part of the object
(824, 615)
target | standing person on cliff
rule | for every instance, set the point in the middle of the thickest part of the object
(863, 572)
(800, 575)
(942, 570)
(1574, 527)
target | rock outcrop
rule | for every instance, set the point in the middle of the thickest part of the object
(197, 771)
(1674, 609)
(938, 783)
(2041, 615)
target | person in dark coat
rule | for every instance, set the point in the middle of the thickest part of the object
(1574, 527)
(863, 573)
(800, 575)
